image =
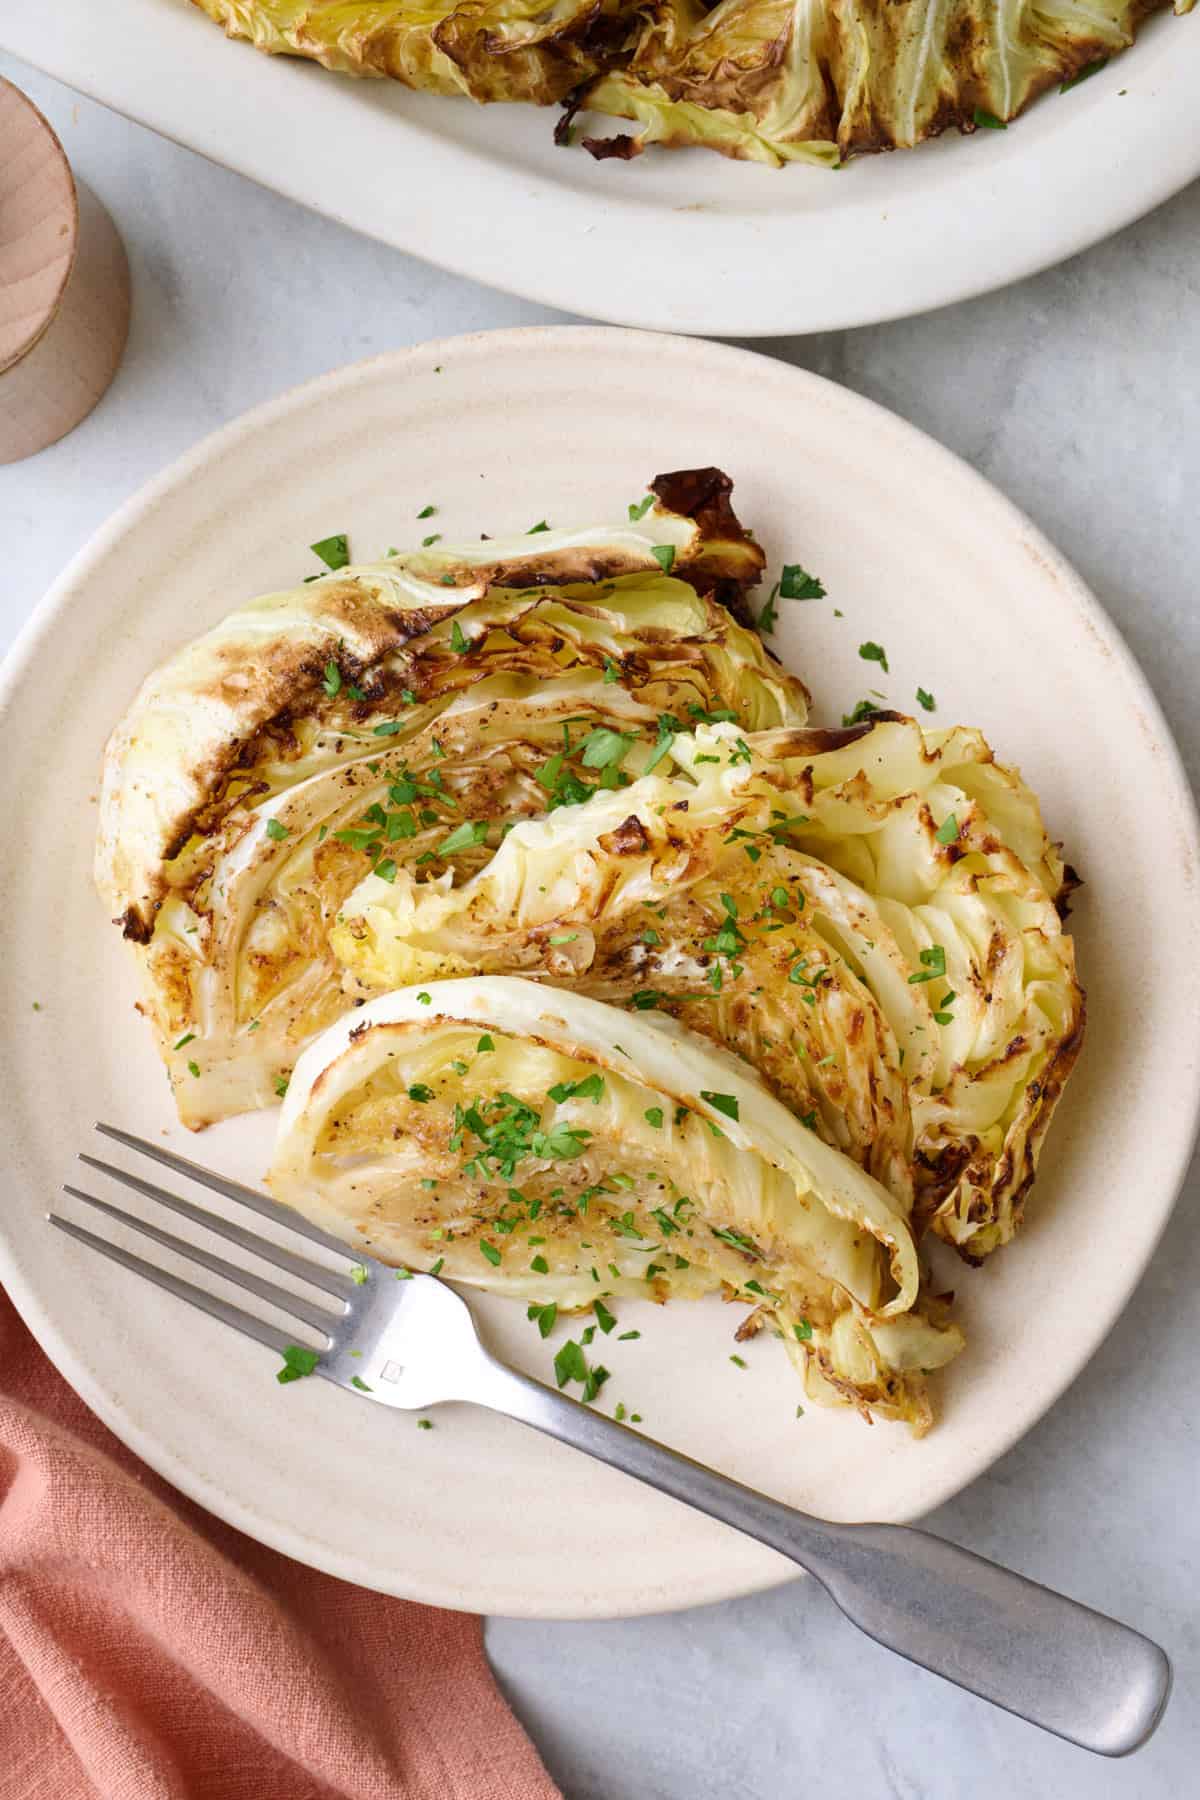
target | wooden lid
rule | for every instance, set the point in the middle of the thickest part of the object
(39, 224)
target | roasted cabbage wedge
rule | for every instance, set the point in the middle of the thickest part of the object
(870, 917)
(485, 49)
(547, 1146)
(768, 81)
(398, 715)
(774, 81)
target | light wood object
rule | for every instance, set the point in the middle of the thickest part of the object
(64, 287)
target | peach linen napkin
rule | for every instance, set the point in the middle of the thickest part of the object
(148, 1652)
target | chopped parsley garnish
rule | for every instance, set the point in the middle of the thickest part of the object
(435, 537)
(276, 831)
(602, 748)
(185, 1039)
(385, 869)
(646, 999)
(611, 672)
(668, 727)
(563, 937)
(333, 679)
(664, 556)
(543, 1316)
(570, 1363)
(796, 583)
(926, 700)
(194, 1070)
(947, 831)
(358, 1382)
(653, 1116)
(627, 1337)
(739, 1362)
(333, 551)
(724, 1103)
(485, 1044)
(933, 965)
(420, 1093)
(358, 1274)
(540, 1266)
(389, 728)
(464, 837)
(438, 1266)
(604, 1318)
(1084, 74)
(642, 508)
(942, 1016)
(864, 709)
(988, 120)
(424, 1424)
(510, 1129)
(803, 1330)
(738, 1241)
(281, 1085)
(458, 642)
(297, 1361)
(489, 1253)
(768, 618)
(874, 653)
(591, 1087)
(534, 529)
(427, 512)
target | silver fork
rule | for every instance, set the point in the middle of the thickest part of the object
(1036, 1653)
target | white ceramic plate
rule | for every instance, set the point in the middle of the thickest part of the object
(918, 553)
(676, 242)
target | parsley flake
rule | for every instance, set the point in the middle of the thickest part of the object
(333, 551)
(796, 583)
(723, 1103)
(298, 1360)
(933, 967)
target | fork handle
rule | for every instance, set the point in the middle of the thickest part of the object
(1035, 1653)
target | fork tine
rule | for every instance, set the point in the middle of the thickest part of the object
(330, 1280)
(232, 1190)
(313, 1315)
(245, 1322)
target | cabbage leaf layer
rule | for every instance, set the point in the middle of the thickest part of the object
(390, 716)
(547, 1146)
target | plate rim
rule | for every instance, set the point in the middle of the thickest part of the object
(208, 1492)
(586, 279)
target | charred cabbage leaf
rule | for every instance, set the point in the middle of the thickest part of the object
(870, 917)
(823, 80)
(449, 1125)
(494, 50)
(395, 716)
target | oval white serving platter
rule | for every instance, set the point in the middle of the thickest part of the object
(918, 553)
(684, 241)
